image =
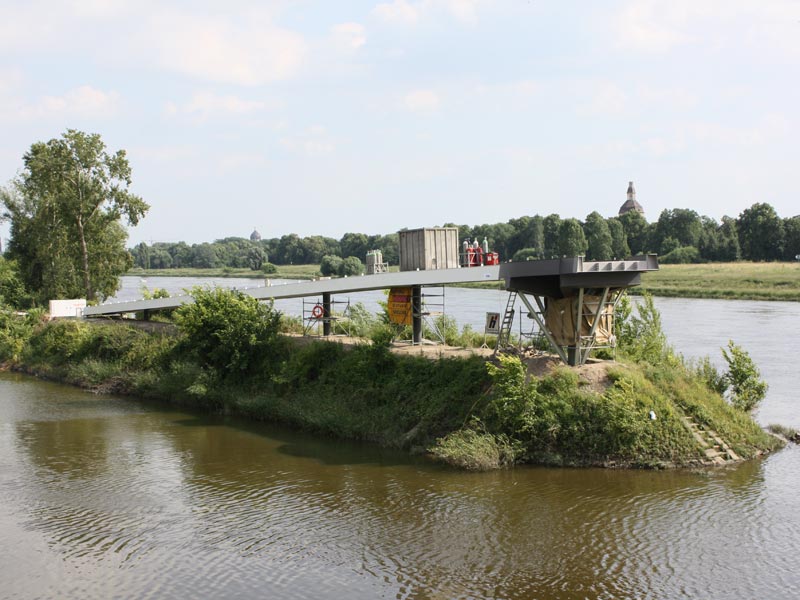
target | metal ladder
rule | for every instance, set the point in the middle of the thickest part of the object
(506, 324)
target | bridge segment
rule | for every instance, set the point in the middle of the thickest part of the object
(587, 289)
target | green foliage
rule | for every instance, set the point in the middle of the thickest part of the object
(746, 387)
(15, 331)
(619, 241)
(708, 373)
(598, 237)
(357, 321)
(475, 450)
(526, 254)
(571, 239)
(65, 211)
(148, 294)
(57, 343)
(12, 290)
(268, 268)
(231, 334)
(682, 255)
(641, 336)
(351, 266)
(761, 233)
(330, 265)
(553, 417)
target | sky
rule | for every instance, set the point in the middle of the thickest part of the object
(321, 118)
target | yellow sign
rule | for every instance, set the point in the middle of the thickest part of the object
(399, 305)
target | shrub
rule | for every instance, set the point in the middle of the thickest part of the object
(57, 342)
(683, 255)
(527, 254)
(15, 331)
(474, 450)
(330, 265)
(746, 387)
(351, 266)
(641, 336)
(230, 333)
(268, 268)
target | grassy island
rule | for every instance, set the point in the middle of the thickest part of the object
(227, 354)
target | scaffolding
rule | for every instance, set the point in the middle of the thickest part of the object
(572, 335)
(315, 317)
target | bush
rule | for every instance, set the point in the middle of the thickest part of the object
(351, 266)
(330, 265)
(526, 254)
(15, 331)
(745, 385)
(268, 268)
(683, 255)
(58, 342)
(230, 333)
(641, 336)
(474, 450)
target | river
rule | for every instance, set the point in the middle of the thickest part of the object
(105, 497)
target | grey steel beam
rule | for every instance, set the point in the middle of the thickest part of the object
(542, 326)
(326, 313)
(416, 314)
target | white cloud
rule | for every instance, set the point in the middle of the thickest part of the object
(313, 142)
(663, 25)
(605, 98)
(403, 12)
(651, 26)
(236, 162)
(421, 101)
(207, 104)
(84, 101)
(349, 36)
(398, 11)
(217, 49)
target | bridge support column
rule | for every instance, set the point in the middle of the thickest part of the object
(416, 314)
(326, 313)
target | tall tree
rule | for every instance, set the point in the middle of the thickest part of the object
(760, 233)
(680, 224)
(791, 229)
(65, 210)
(636, 231)
(598, 237)
(551, 226)
(571, 239)
(619, 241)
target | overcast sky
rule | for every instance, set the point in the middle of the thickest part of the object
(323, 117)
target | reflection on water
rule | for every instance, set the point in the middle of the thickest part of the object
(103, 497)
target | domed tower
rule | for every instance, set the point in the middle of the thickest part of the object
(255, 236)
(631, 203)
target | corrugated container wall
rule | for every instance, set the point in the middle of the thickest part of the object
(429, 248)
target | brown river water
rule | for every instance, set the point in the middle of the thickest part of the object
(106, 497)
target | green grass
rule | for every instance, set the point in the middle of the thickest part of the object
(740, 281)
(284, 272)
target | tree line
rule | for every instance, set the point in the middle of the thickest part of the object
(678, 236)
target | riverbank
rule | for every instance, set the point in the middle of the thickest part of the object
(466, 411)
(731, 281)
(727, 281)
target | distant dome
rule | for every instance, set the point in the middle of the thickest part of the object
(631, 203)
(255, 236)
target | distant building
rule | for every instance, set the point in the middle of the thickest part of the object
(631, 203)
(255, 236)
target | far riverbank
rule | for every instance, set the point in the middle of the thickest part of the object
(732, 281)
